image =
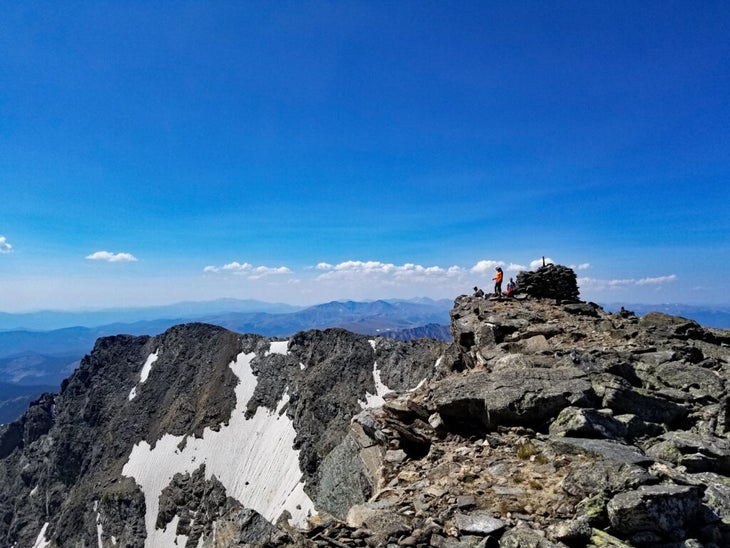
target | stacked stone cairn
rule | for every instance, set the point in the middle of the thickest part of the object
(551, 282)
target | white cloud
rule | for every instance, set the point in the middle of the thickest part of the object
(516, 267)
(483, 267)
(248, 270)
(5, 247)
(112, 257)
(657, 281)
(324, 266)
(237, 267)
(262, 271)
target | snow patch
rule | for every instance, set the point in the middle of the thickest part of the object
(168, 536)
(419, 385)
(40, 541)
(244, 456)
(34, 491)
(99, 528)
(146, 368)
(279, 347)
(377, 399)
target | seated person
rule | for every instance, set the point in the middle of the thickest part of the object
(510, 287)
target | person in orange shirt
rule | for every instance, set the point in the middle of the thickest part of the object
(498, 282)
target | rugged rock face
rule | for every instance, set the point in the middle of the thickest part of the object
(548, 422)
(568, 425)
(156, 425)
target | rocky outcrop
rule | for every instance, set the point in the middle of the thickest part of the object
(570, 425)
(548, 422)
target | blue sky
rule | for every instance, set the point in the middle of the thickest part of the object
(309, 151)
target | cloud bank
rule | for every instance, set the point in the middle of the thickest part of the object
(372, 279)
(112, 257)
(598, 284)
(247, 269)
(377, 269)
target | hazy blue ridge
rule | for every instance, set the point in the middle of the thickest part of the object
(14, 399)
(46, 320)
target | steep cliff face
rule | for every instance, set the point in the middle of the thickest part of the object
(195, 435)
(548, 422)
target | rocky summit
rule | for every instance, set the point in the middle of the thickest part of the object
(547, 422)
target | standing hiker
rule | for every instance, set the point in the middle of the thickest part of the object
(498, 281)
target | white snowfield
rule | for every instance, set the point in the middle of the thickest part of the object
(253, 458)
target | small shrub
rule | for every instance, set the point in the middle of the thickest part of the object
(526, 450)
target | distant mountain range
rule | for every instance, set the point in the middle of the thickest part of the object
(38, 350)
(50, 345)
(46, 320)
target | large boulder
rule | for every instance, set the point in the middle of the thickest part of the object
(656, 513)
(483, 401)
(696, 452)
(587, 423)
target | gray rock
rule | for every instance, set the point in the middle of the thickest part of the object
(465, 501)
(582, 309)
(526, 537)
(665, 326)
(532, 397)
(383, 522)
(478, 523)
(666, 510)
(696, 452)
(605, 477)
(698, 382)
(344, 479)
(606, 449)
(717, 495)
(646, 406)
(589, 423)
(637, 428)
(572, 531)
